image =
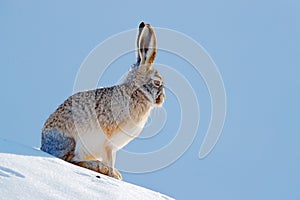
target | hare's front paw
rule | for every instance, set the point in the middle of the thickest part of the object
(115, 174)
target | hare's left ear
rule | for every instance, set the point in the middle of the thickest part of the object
(138, 57)
(146, 45)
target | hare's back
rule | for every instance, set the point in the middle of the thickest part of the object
(74, 112)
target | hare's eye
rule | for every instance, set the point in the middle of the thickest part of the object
(156, 83)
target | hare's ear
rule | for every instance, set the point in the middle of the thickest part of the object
(138, 57)
(146, 44)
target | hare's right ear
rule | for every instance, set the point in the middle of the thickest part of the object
(146, 42)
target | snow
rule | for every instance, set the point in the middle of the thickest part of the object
(27, 173)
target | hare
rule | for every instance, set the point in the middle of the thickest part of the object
(91, 126)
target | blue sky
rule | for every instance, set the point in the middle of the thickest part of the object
(255, 45)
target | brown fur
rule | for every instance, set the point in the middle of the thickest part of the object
(108, 111)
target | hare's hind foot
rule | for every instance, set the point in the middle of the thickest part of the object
(99, 167)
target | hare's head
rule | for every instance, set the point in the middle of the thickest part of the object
(143, 75)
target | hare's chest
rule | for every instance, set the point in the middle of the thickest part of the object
(128, 132)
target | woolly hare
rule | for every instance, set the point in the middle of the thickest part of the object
(91, 126)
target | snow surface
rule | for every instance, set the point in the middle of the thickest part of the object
(27, 173)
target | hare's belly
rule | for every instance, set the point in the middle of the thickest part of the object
(90, 145)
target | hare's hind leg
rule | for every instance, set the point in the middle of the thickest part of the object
(57, 144)
(94, 165)
(97, 166)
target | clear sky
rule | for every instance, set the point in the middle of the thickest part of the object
(255, 45)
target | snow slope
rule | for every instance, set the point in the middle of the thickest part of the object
(27, 173)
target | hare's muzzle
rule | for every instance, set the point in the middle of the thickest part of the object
(161, 96)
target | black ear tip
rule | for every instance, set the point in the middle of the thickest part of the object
(142, 25)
